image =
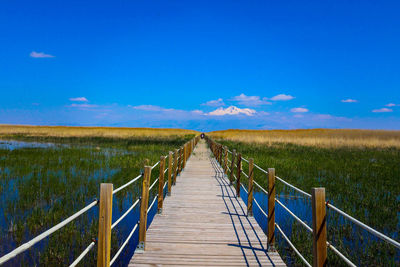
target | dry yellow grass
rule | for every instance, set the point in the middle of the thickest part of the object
(315, 137)
(109, 132)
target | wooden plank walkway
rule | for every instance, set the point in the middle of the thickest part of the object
(204, 224)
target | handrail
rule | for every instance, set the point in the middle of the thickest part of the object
(292, 246)
(152, 203)
(126, 213)
(45, 234)
(153, 184)
(364, 226)
(127, 184)
(83, 254)
(347, 216)
(58, 226)
(123, 245)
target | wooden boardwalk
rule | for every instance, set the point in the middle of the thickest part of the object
(204, 224)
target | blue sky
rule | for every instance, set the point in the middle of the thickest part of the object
(203, 65)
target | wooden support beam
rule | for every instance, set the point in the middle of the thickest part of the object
(232, 166)
(175, 166)
(144, 203)
(225, 160)
(250, 188)
(105, 217)
(271, 209)
(238, 173)
(160, 199)
(319, 227)
(170, 169)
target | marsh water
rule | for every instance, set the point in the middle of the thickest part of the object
(43, 183)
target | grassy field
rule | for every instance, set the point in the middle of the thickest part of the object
(328, 138)
(40, 186)
(359, 169)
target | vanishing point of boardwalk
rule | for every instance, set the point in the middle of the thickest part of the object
(204, 224)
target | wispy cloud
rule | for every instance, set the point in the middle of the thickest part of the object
(214, 103)
(79, 99)
(40, 55)
(382, 110)
(391, 105)
(349, 100)
(299, 110)
(151, 108)
(232, 110)
(246, 100)
(82, 106)
(281, 97)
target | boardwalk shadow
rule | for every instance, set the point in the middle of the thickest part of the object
(251, 250)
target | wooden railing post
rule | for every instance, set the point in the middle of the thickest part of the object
(225, 160)
(239, 171)
(160, 198)
(105, 217)
(144, 203)
(319, 227)
(184, 156)
(250, 188)
(179, 160)
(232, 166)
(271, 209)
(175, 166)
(170, 168)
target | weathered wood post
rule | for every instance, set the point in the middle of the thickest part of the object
(160, 199)
(170, 168)
(225, 160)
(250, 188)
(232, 166)
(105, 216)
(319, 227)
(271, 209)
(239, 171)
(184, 156)
(180, 161)
(144, 203)
(175, 166)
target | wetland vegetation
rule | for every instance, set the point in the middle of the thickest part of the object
(360, 177)
(40, 185)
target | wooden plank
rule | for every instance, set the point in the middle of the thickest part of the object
(205, 227)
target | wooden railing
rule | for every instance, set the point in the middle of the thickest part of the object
(318, 203)
(176, 163)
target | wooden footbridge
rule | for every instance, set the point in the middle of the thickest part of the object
(203, 221)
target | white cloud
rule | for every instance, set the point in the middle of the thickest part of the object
(281, 97)
(40, 55)
(349, 100)
(214, 103)
(382, 110)
(151, 108)
(245, 100)
(391, 105)
(232, 110)
(79, 99)
(82, 106)
(299, 110)
(197, 111)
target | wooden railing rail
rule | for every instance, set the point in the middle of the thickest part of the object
(176, 162)
(318, 229)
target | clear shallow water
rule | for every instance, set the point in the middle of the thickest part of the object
(12, 145)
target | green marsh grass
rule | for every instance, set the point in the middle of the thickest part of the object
(40, 187)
